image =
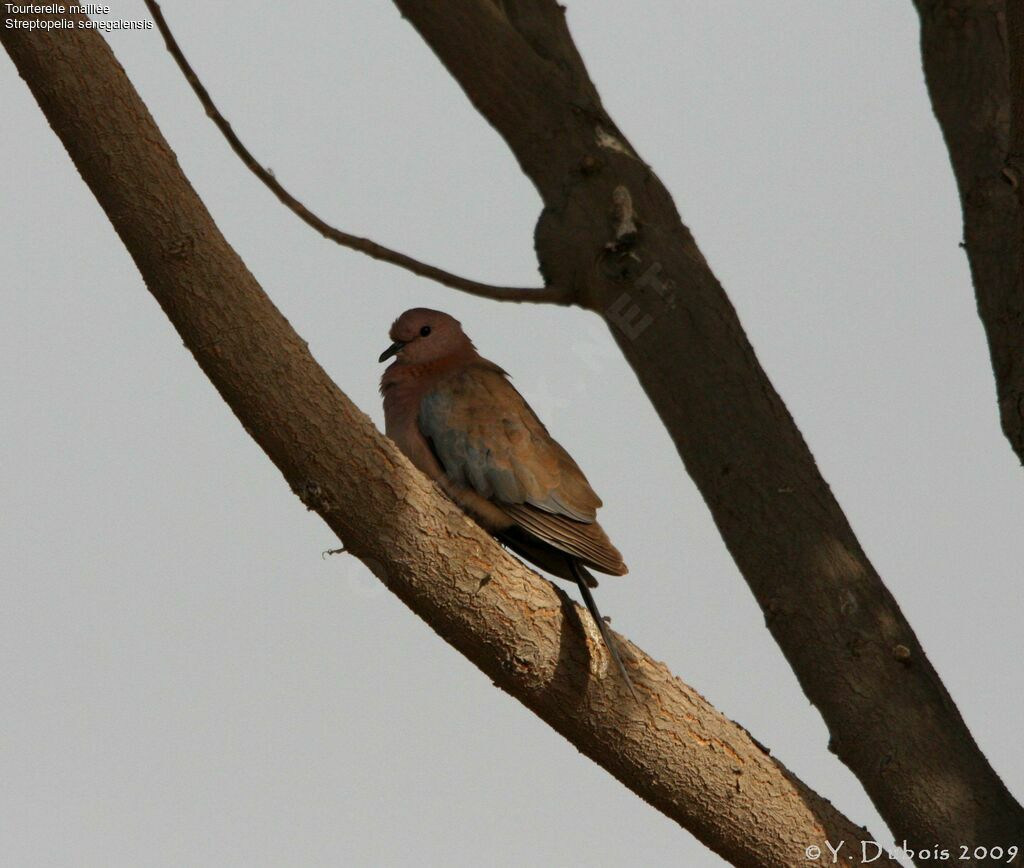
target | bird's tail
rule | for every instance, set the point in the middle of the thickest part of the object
(585, 582)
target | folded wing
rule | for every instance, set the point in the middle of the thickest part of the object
(488, 440)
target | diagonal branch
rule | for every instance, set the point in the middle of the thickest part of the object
(676, 752)
(973, 52)
(890, 718)
(551, 294)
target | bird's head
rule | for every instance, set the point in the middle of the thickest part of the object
(422, 335)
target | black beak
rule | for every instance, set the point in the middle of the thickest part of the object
(390, 351)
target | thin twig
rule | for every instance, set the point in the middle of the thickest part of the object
(549, 294)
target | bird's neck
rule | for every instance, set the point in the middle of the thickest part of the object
(404, 386)
(422, 375)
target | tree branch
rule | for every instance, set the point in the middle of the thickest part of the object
(549, 294)
(972, 49)
(890, 718)
(676, 751)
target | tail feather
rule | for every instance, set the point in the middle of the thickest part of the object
(585, 582)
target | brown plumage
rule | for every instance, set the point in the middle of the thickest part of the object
(456, 416)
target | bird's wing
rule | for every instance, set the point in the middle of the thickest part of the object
(488, 439)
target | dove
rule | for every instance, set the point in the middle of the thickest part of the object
(457, 418)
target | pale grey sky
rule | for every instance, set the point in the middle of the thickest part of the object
(186, 681)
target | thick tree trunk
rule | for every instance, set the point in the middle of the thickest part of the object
(970, 56)
(676, 751)
(611, 235)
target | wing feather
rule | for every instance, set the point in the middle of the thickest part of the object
(488, 439)
(588, 542)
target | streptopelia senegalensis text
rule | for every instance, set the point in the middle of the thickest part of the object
(456, 416)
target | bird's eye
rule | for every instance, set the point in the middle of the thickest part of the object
(424, 331)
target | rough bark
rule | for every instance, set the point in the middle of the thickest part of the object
(675, 751)
(610, 231)
(973, 52)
